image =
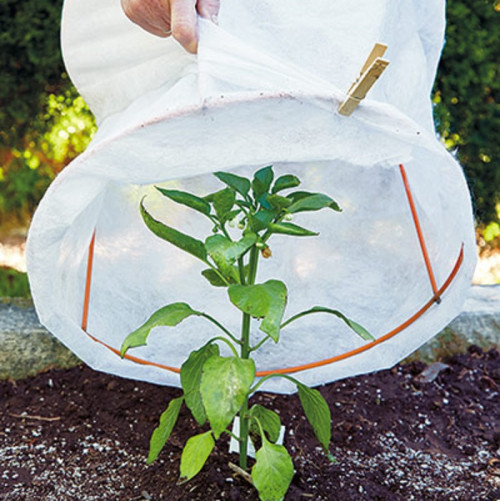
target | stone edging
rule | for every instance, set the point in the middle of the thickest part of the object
(478, 324)
(27, 348)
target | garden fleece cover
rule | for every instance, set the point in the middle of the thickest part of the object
(263, 89)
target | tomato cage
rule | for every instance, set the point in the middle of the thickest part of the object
(272, 84)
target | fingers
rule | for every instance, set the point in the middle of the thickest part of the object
(208, 9)
(151, 15)
(184, 24)
(176, 17)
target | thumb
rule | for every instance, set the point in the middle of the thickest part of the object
(208, 9)
(184, 24)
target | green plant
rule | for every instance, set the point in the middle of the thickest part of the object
(217, 388)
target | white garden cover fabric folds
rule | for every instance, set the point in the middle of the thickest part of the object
(264, 89)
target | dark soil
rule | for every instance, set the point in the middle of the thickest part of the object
(82, 435)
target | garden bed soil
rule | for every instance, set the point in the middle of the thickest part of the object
(397, 435)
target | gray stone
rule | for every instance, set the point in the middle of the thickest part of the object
(478, 324)
(27, 348)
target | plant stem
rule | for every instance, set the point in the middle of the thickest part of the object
(231, 434)
(254, 257)
(316, 309)
(241, 269)
(224, 340)
(226, 234)
(245, 353)
(260, 343)
(270, 376)
(358, 329)
(220, 326)
(217, 222)
(220, 275)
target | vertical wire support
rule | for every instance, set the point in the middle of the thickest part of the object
(88, 282)
(420, 235)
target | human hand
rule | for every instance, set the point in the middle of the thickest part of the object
(172, 17)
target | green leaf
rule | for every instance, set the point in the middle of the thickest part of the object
(262, 199)
(297, 195)
(168, 316)
(225, 383)
(191, 378)
(233, 213)
(265, 301)
(269, 420)
(175, 237)
(237, 183)
(187, 199)
(285, 182)
(358, 329)
(214, 246)
(223, 203)
(304, 201)
(317, 413)
(261, 220)
(209, 198)
(278, 202)
(224, 252)
(216, 280)
(273, 471)
(162, 432)
(243, 203)
(291, 229)
(262, 181)
(195, 454)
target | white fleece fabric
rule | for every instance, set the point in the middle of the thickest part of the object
(264, 89)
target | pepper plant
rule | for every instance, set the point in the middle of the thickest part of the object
(217, 388)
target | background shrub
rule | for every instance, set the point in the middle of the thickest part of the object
(467, 97)
(43, 122)
(13, 283)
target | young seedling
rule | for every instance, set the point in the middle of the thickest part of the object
(217, 388)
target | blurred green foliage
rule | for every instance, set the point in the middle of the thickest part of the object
(491, 234)
(31, 63)
(13, 283)
(28, 167)
(44, 123)
(467, 98)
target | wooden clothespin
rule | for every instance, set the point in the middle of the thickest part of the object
(374, 67)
